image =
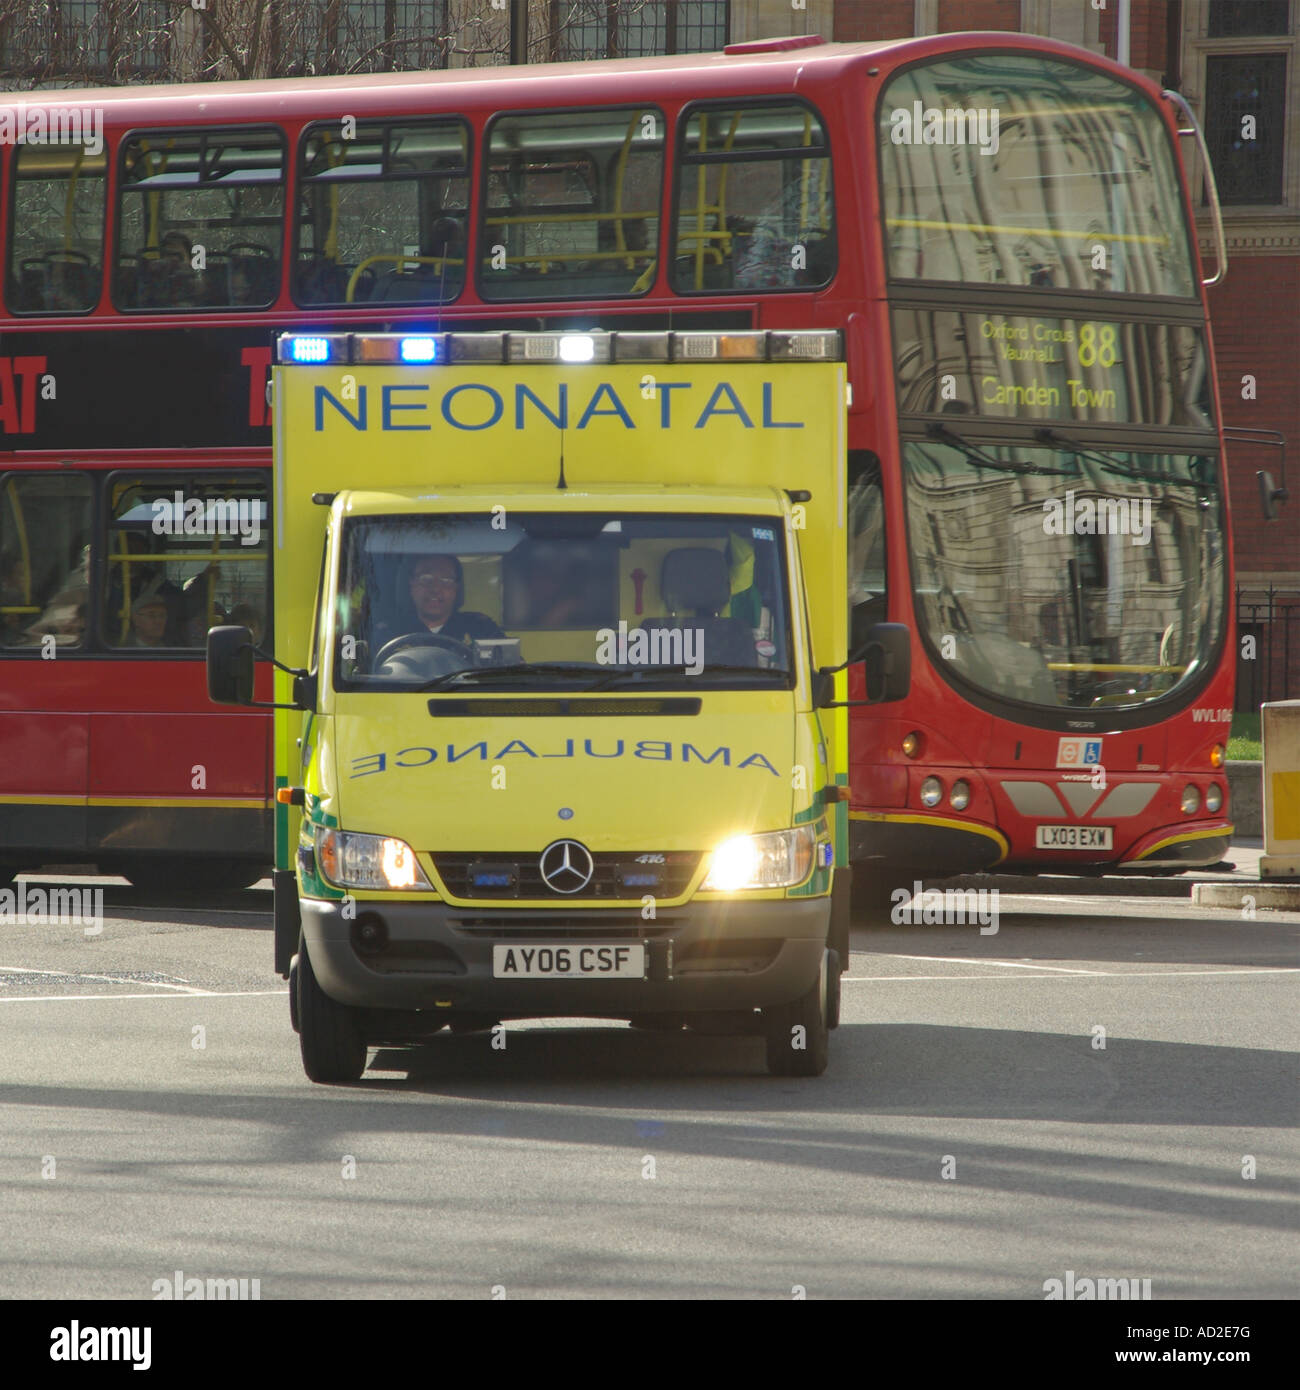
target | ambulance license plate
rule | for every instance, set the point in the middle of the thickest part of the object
(1073, 836)
(569, 960)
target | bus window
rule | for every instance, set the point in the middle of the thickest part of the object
(56, 250)
(184, 552)
(382, 213)
(199, 220)
(1030, 173)
(755, 205)
(44, 559)
(572, 204)
(867, 582)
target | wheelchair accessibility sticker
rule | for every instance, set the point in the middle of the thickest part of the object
(1078, 752)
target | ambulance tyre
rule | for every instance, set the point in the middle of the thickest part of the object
(293, 992)
(333, 1048)
(833, 991)
(797, 1034)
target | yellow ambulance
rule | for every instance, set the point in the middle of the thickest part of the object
(560, 630)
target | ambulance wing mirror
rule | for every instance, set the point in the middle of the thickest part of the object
(887, 656)
(230, 672)
(230, 666)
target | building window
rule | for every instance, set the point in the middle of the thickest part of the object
(388, 35)
(633, 29)
(1245, 110)
(103, 40)
(1238, 19)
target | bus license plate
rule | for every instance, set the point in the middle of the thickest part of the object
(1073, 837)
(569, 961)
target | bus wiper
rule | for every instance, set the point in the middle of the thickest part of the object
(680, 668)
(982, 460)
(515, 669)
(1110, 463)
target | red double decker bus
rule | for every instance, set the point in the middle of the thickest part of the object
(1000, 226)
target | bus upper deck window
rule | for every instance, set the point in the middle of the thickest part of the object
(200, 216)
(571, 207)
(755, 201)
(382, 211)
(1043, 174)
(56, 252)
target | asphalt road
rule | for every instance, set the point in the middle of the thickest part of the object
(587, 1160)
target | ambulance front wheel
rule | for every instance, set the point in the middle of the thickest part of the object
(333, 1046)
(798, 1034)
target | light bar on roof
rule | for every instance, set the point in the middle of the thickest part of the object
(566, 348)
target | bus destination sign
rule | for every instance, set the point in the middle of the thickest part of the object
(1082, 370)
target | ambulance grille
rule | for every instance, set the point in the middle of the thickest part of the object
(617, 877)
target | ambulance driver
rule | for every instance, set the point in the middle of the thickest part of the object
(437, 588)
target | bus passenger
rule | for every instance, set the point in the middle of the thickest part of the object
(180, 284)
(148, 621)
(245, 615)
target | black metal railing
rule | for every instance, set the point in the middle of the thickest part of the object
(1268, 646)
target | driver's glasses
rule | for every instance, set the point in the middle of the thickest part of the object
(432, 581)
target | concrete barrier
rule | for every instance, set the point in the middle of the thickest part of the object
(1246, 798)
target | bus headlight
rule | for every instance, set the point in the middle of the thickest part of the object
(1191, 802)
(931, 791)
(349, 860)
(959, 797)
(778, 860)
(1213, 797)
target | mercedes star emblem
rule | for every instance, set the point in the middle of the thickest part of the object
(567, 866)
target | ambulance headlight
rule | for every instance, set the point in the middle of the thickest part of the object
(778, 860)
(349, 860)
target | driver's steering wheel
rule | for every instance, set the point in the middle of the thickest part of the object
(422, 639)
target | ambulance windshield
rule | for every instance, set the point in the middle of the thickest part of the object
(561, 601)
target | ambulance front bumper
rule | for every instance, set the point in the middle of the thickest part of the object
(702, 957)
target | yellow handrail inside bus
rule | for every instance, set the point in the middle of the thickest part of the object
(23, 547)
(620, 175)
(936, 225)
(1134, 668)
(703, 235)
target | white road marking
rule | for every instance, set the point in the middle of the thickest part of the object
(179, 985)
(1105, 974)
(1009, 964)
(213, 994)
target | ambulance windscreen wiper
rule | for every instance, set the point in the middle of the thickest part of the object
(515, 670)
(681, 668)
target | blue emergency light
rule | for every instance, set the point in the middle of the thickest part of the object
(419, 350)
(309, 349)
